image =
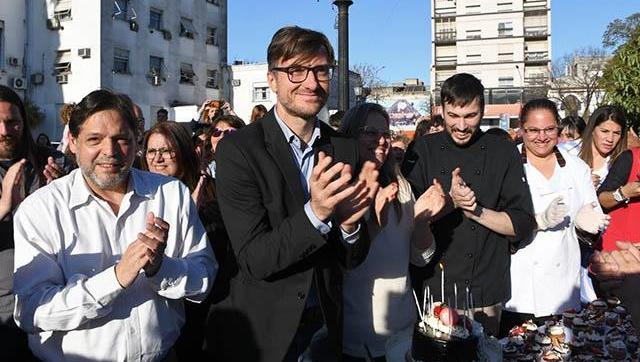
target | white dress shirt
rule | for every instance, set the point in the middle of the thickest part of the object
(68, 299)
(545, 274)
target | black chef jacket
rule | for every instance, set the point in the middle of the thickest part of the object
(473, 255)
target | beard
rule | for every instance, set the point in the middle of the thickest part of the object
(110, 181)
(8, 147)
(306, 110)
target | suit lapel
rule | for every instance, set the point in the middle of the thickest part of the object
(279, 149)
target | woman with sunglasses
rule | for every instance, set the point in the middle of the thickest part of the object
(221, 126)
(545, 271)
(378, 301)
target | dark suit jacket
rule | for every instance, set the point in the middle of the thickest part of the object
(277, 249)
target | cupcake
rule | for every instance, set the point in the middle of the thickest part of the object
(611, 318)
(567, 318)
(551, 356)
(632, 343)
(594, 340)
(617, 350)
(556, 334)
(599, 305)
(579, 325)
(620, 310)
(613, 301)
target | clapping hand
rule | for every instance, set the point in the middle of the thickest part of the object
(553, 215)
(590, 219)
(461, 194)
(384, 197)
(52, 170)
(11, 184)
(350, 210)
(155, 239)
(430, 203)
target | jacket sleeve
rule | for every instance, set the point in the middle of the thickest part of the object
(515, 198)
(261, 249)
(414, 167)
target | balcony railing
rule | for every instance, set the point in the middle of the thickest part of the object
(535, 32)
(536, 57)
(445, 13)
(446, 62)
(445, 37)
(536, 81)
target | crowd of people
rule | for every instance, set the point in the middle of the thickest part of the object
(287, 239)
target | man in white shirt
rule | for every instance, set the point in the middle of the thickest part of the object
(105, 255)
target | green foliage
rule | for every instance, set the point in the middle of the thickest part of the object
(619, 31)
(621, 78)
(34, 115)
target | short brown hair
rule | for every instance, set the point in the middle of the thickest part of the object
(292, 41)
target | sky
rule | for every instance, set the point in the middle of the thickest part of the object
(395, 35)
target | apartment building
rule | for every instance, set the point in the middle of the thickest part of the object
(162, 53)
(505, 43)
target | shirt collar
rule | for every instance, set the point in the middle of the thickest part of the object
(561, 161)
(292, 138)
(81, 193)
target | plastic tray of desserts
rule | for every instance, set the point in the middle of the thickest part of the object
(602, 331)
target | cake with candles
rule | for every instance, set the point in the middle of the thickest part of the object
(445, 336)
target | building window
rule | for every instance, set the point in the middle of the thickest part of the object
(505, 6)
(186, 28)
(212, 38)
(260, 94)
(473, 58)
(120, 9)
(505, 29)
(62, 64)
(214, 2)
(62, 10)
(156, 65)
(473, 34)
(505, 57)
(120, 61)
(187, 75)
(155, 19)
(472, 9)
(212, 79)
(505, 82)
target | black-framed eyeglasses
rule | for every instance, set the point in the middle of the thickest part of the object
(370, 131)
(299, 73)
(164, 152)
(217, 132)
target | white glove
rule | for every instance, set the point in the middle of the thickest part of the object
(591, 220)
(553, 215)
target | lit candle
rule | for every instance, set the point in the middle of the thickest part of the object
(442, 281)
(455, 295)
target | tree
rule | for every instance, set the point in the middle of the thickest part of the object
(370, 75)
(621, 78)
(575, 80)
(619, 31)
(34, 115)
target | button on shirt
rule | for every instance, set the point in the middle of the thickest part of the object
(67, 295)
(545, 274)
(499, 185)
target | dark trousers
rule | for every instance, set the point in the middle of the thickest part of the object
(347, 358)
(310, 322)
(512, 319)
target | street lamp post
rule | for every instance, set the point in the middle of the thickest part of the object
(343, 53)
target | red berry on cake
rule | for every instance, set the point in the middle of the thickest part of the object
(449, 316)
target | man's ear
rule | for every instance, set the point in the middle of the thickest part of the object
(73, 146)
(273, 82)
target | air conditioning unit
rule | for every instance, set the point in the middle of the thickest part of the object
(166, 34)
(37, 78)
(13, 61)
(84, 53)
(62, 78)
(133, 25)
(156, 80)
(235, 82)
(19, 83)
(53, 24)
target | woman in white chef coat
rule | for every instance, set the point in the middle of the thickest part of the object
(545, 272)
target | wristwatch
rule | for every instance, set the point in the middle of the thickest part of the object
(619, 196)
(478, 210)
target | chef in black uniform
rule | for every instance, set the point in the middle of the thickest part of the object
(490, 211)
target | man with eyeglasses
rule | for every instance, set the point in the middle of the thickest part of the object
(489, 210)
(293, 226)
